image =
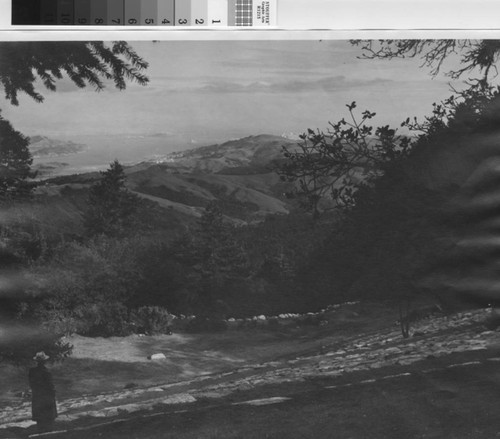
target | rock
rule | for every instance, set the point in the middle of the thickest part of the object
(157, 357)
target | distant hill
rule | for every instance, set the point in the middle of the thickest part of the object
(238, 174)
(42, 146)
(248, 155)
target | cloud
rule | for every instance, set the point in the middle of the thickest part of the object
(328, 84)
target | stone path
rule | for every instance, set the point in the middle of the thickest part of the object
(434, 337)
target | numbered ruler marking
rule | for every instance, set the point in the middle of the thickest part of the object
(192, 13)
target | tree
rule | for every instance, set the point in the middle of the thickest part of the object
(474, 55)
(337, 163)
(216, 259)
(223, 257)
(15, 163)
(22, 65)
(397, 229)
(111, 205)
(84, 63)
(85, 287)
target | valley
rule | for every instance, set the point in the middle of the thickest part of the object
(239, 174)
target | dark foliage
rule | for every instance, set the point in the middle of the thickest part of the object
(58, 303)
(163, 278)
(20, 343)
(399, 229)
(216, 260)
(15, 163)
(112, 207)
(90, 63)
(335, 164)
(151, 320)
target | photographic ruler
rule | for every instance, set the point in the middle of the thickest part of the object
(168, 13)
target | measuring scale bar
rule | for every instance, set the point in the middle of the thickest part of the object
(169, 13)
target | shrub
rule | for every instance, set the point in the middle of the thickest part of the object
(58, 321)
(103, 319)
(151, 320)
(20, 343)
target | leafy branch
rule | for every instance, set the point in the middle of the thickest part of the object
(84, 63)
(336, 163)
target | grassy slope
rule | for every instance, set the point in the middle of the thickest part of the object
(254, 191)
(95, 360)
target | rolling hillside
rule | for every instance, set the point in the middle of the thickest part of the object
(248, 155)
(238, 174)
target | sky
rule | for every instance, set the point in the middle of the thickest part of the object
(218, 90)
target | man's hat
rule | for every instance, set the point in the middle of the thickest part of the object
(41, 356)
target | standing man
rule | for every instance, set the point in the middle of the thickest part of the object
(44, 408)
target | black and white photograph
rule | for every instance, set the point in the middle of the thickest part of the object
(250, 238)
